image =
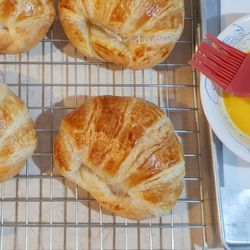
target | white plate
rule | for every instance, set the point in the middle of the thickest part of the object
(237, 35)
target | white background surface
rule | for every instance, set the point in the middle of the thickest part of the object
(233, 9)
(235, 168)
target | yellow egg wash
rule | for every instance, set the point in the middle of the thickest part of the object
(238, 108)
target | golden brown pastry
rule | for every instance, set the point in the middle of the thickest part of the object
(23, 23)
(135, 34)
(17, 135)
(124, 152)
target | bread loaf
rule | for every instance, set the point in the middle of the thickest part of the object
(23, 23)
(124, 152)
(17, 135)
(135, 34)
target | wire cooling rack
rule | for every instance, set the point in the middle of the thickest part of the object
(41, 210)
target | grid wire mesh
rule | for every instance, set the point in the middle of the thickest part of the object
(40, 209)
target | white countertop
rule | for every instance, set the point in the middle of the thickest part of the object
(237, 171)
(231, 11)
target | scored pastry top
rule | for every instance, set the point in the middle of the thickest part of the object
(132, 33)
(17, 135)
(125, 153)
(23, 23)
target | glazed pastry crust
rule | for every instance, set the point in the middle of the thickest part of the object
(23, 23)
(124, 152)
(132, 33)
(17, 135)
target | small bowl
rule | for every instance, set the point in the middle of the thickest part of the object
(238, 36)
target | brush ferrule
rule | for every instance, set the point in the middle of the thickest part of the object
(241, 81)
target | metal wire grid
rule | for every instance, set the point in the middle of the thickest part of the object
(41, 210)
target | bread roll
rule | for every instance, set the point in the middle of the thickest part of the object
(23, 23)
(135, 34)
(124, 152)
(17, 134)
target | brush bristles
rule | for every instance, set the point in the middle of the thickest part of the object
(219, 62)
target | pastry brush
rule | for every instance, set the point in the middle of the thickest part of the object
(225, 65)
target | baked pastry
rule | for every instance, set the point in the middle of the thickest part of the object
(23, 23)
(124, 152)
(17, 135)
(135, 34)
